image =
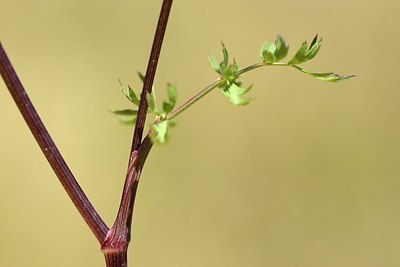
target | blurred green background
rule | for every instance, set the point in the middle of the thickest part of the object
(306, 175)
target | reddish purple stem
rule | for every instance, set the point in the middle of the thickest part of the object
(43, 138)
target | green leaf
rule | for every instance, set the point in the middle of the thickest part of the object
(331, 77)
(267, 52)
(226, 56)
(306, 53)
(172, 95)
(161, 130)
(301, 55)
(230, 72)
(271, 53)
(281, 48)
(327, 77)
(130, 94)
(151, 102)
(125, 112)
(141, 76)
(314, 48)
(167, 107)
(234, 93)
(127, 121)
(214, 64)
(314, 41)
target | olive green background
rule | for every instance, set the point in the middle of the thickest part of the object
(306, 175)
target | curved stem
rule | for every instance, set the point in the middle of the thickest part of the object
(259, 65)
(219, 81)
(249, 68)
(194, 98)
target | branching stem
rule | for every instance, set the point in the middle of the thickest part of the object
(116, 243)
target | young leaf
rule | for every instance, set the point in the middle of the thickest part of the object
(172, 95)
(327, 77)
(314, 48)
(267, 52)
(301, 55)
(130, 94)
(214, 64)
(281, 48)
(304, 53)
(167, 107)
(226, 56)
(125, 112)
(151, 102)
(234, 93)
(127, 121)
(230, 72)
(330, 77)
(141, 76)
(161, 131)
(271, 53)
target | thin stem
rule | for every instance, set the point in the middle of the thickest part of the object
(219, 81)
(118, 237)
(49, 149)
(150, 73)
(194, 98)
(250, 68)
(259, 65)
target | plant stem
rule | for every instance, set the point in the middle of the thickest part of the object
(49, 149)
(194, 99)
(150, 73)
(116, 243)
(259, 65)
(117, 259)
(219, 81)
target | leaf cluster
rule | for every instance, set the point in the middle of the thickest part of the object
(229, 73)
(273, 53)
(161, 127)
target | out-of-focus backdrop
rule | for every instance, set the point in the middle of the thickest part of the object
(307, 175)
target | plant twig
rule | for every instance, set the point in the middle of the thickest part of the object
(150, 73)
(116, 243)
(216, 83)
(117, 240)
(47, 145)
(137, 145)
(188, 103)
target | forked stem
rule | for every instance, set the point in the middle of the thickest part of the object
(116, 243)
